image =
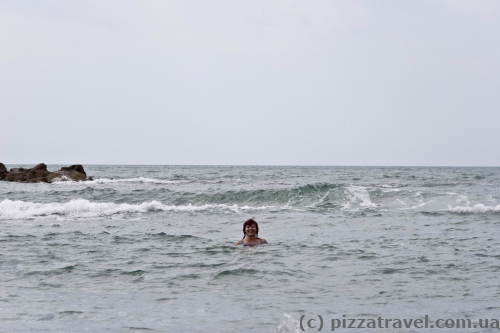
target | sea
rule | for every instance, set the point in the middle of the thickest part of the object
(151, 249)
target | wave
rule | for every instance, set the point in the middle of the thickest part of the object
(309, 196)
(478, 208)
(97, 201)
(125, 180)
(11, 210)
(92, 201)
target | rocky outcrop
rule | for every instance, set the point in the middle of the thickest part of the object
(74, 172)
(3, 171)
(40, 174)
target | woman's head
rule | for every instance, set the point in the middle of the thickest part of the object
(249, 226)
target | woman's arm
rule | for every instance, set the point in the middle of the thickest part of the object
(264, 241)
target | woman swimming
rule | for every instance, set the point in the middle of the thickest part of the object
(251, 234)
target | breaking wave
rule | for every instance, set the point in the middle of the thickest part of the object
(478, 208)
(11, 210)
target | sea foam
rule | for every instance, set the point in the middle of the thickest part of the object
(360, 195)
(11, 210)
(125, 180)
(478, 208)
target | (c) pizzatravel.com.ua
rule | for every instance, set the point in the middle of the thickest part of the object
(317, 323)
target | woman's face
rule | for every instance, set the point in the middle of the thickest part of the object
(251, 230)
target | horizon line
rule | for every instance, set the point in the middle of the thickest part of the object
(271, 165)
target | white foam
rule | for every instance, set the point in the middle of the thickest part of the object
(388, 190)
(126, 180)
(360, 193)
(462, 198)
(61, 179)
(478, 208)
(82, 208)
(346, 206)
(389, 185)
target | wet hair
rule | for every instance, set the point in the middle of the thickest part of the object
(250, 222)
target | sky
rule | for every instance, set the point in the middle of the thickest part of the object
(228, 82)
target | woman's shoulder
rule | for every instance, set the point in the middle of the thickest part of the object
(263, 241)
(239, 242)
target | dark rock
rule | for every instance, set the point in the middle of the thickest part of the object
(40, 174)
(17, 169)
(71, 174)
(40, 166)
(75, 167)
(3, 171)
(35, 175)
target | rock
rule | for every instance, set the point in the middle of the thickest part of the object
(39, 174)
(75, 167)
(17, 169)
(3, 171)
(74, 172)
(40, 166)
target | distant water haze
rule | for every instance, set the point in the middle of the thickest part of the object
(250, 83)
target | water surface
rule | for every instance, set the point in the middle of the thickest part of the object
(151, 247)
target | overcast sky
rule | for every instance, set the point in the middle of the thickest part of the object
(250, 82)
